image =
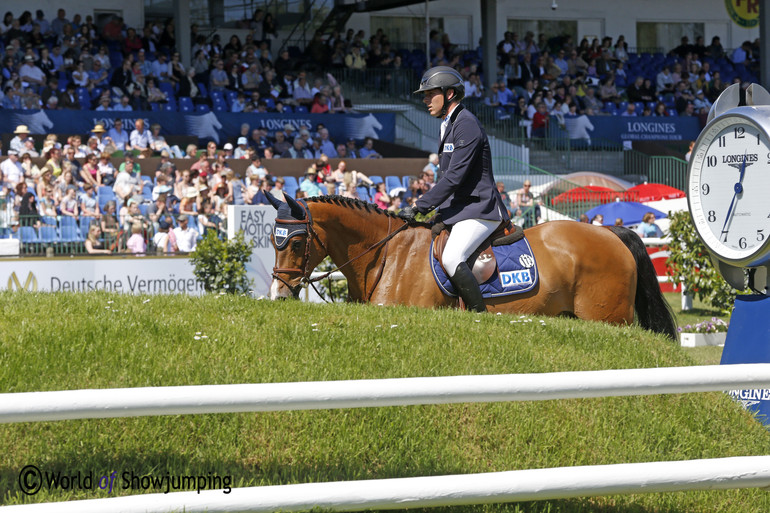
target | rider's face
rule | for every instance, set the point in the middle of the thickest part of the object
(434, 100)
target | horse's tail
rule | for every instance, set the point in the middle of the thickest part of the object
(652, 310)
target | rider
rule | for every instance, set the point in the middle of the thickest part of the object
(466, 195)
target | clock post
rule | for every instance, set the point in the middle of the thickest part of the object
(728, 194)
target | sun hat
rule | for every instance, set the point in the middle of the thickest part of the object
(21, 129)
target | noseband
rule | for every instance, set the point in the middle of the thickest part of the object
(311, 233)
(303, 270)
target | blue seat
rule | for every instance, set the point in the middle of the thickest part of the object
(270, 103)
(49, 234)
(405, 181)
(363, 193)
(202, 107)
(291, 185)
(168, 88)
(202, 90)
(29, 235)
(85, 224)
(301, 109)
(288, 109)
(186, 104)
(376, 179)
(217, 96)
(69, 230)
(169, 107)
(220, 107)
(391, 182)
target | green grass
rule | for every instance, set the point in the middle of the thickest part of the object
(98, 340)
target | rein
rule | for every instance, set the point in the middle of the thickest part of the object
(308, 222)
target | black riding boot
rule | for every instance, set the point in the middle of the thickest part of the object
(468, 288)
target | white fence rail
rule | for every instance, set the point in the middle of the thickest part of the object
(416, 492)
(520, 485)
(137, 402)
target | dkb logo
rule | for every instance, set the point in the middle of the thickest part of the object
(513, 278)
(29, 285)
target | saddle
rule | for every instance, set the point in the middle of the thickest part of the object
(484, 261)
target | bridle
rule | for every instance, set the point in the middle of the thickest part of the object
(304, 268)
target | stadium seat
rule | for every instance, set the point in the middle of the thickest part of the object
(69, 229)
(202, 107)
(391, 182)
(270, 103)
(169, 107)
(405, 181)
(155, 107)
(85, 224)
(291, 185)
(363, 193)
(376, 179)
(49, 234)
(301, 109)
(202, 90)
(28, 235)
(217, 96)
(186, 104)
(220, 107)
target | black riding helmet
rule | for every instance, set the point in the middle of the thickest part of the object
(444, 78)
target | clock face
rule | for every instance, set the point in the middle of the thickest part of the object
(729, 188)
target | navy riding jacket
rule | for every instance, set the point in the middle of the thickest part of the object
(467, 188)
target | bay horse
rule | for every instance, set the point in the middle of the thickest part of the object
(589, 272)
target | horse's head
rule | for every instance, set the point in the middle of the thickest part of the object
(298, 250)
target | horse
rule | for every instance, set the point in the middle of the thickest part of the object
(588, 272)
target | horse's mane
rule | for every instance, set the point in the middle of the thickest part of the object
(365, 206)
(353, 203)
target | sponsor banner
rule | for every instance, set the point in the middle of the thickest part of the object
(214, 126)
(620, 129)
(257, 223)
(135, 275)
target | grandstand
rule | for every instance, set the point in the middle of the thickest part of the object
(67, 72)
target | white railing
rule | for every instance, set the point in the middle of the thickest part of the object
(317, 395)
(723, 473)
(463, 489)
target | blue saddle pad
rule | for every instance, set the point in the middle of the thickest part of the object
(516, 271)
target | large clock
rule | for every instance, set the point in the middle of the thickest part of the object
(728, 187)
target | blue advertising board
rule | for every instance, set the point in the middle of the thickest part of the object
(619, 129)
(747, 342)
(209, 126)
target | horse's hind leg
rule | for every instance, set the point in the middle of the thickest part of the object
(608, 299)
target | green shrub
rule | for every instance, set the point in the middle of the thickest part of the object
(691, 265)
(220, 266)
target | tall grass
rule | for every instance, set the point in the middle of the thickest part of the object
(98, 340)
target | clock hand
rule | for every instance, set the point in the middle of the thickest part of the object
(738, 190)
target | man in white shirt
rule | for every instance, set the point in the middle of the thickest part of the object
(32, 74)
(186, 237)
(11, 168)
(140, 138)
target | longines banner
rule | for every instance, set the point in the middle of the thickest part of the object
(132, 275)
(211, 126)
(257, 225)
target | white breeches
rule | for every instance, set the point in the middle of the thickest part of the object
(465, 238)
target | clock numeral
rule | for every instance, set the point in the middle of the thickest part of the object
(742, 242)
(711, 160)
(760, 235)
(705, 189)
(739, 132)
(712, 216)
(722, 141)
(725, 234)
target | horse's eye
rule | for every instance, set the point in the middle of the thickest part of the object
(296, 245)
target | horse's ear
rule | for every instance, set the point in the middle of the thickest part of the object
(274, 201)
(297, 212)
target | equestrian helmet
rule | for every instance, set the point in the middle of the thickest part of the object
(444, 78)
